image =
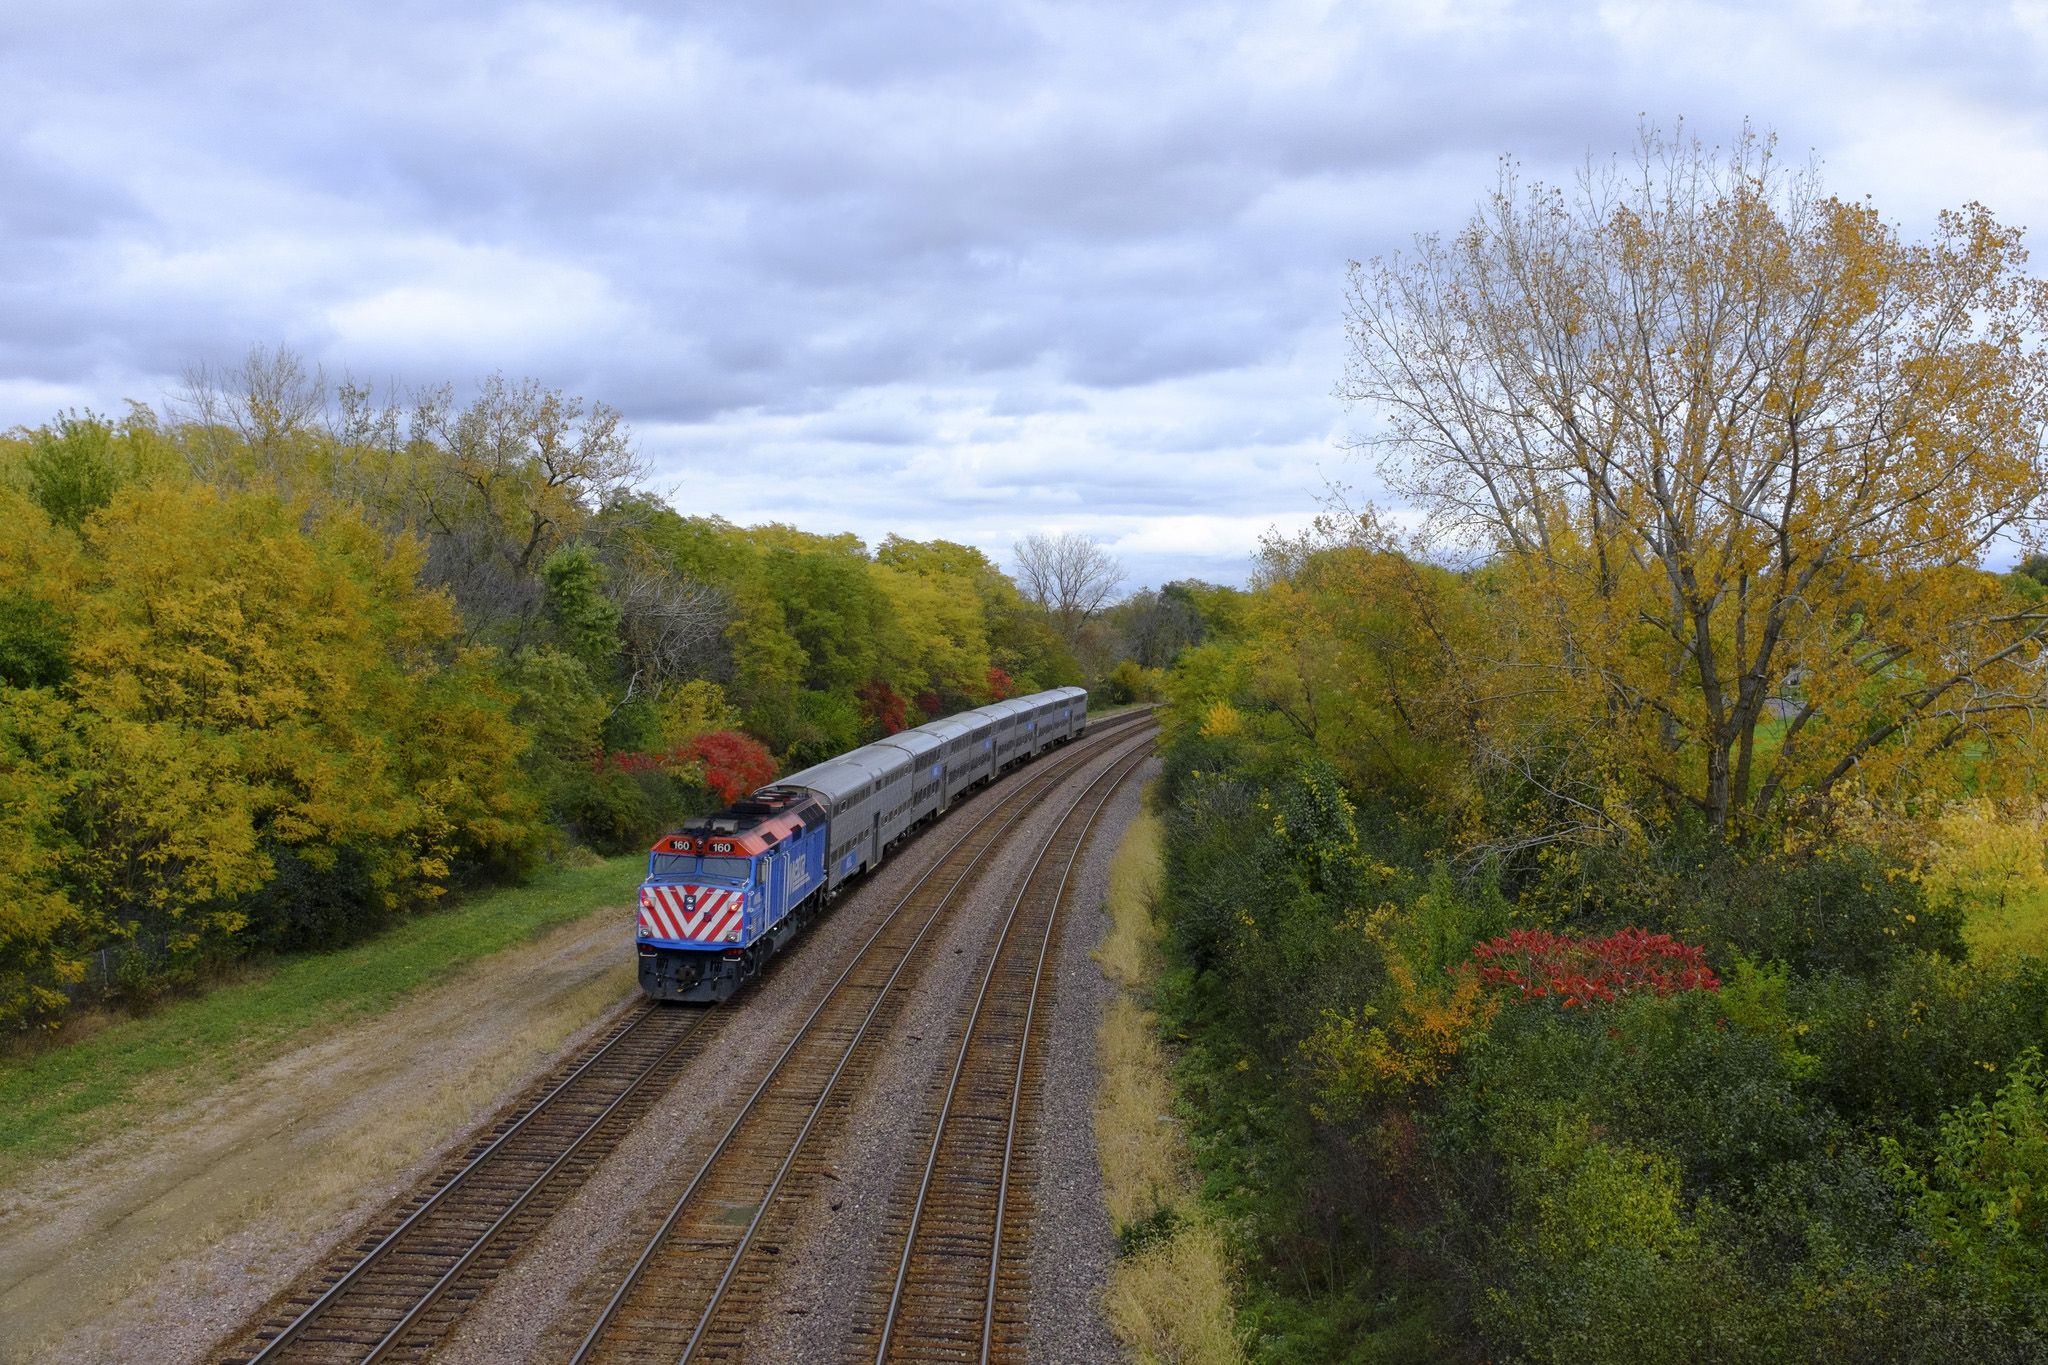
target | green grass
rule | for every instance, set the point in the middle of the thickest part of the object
(2020, 926)
(50, 1103)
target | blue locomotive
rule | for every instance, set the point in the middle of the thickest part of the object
(725, 891)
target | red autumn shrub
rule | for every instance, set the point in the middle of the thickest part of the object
(999, 684)
(734, 763)
(1540, 965)
(884, 707)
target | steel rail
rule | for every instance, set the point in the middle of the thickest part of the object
(1018, 806)
(534, 1187)
(476, 1248)
(331, 1296)
(746, 1240)
(370, 1258)
(1121, 774)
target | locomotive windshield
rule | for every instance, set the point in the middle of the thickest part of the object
(682, 865)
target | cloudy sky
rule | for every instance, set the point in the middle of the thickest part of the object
(966, 269)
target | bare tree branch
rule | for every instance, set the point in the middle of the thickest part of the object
(1070, 576)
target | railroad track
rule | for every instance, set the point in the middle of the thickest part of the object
(393, 1286)
(961, 1283)
(707, 1269)
(400, 1287)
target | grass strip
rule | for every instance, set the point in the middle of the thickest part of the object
(1169, 1292)
(54, 1101)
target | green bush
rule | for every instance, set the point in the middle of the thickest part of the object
(1905, 1047)
(1603, 1259)
(811, 728)
(1983, 1199)
(1842, 909)
(1670, 1075)
(1839, 908)
(1129, 682)
(610, 810)
(318, 899)
(1214, 866)
(1829, 1157)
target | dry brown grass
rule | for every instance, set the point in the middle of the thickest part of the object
(1129, 953)
(1170, 1299)
(1143, 1167)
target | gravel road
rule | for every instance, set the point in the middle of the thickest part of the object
(153, 1244)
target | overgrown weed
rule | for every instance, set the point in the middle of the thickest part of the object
(1169, 1293)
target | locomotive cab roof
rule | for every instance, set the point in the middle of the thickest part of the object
(753, 824)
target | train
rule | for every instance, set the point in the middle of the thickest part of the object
(727, 890)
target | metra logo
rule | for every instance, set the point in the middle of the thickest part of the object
(799, 873)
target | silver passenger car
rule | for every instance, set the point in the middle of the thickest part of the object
(965, 753)
(895, 776)
(1067, 712)
(927, 754)
(852, 801)
(1010, 728)
(877, 793)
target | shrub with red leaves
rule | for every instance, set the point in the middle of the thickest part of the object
(1581, 972)
(1000, 684)
(734, 763)
(884, 707)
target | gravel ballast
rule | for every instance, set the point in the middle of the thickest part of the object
(541, 1305)
(1072, 1240)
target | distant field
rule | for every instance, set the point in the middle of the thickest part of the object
(53, 1101)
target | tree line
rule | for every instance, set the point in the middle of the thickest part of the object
(1611, 922)
(287, 660)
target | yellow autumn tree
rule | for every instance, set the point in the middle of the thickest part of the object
(1351, 642)
(43, 933)
(273, 709)
(935, 640)
(1984, 856)
(1734, 450)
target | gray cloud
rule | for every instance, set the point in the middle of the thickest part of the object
(985, 265)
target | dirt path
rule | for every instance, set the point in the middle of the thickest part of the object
(152, 1244)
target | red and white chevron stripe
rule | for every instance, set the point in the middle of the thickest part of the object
(666, 912)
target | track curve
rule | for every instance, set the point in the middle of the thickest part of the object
(707, 1269)
(946, 1302)
(401, 1286)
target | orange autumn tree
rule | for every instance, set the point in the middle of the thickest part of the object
(1732, 453)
